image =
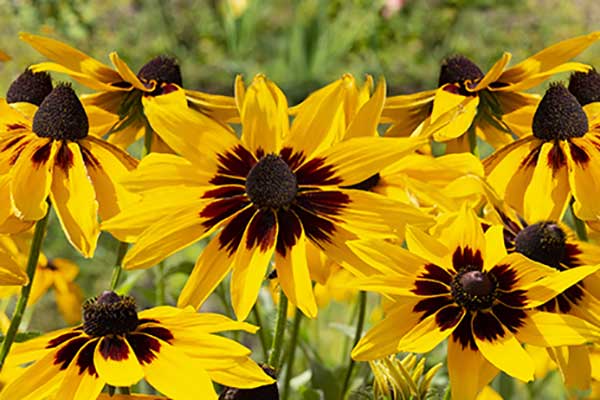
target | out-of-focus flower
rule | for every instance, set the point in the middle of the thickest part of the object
(538, 174)
(124, 94)
(4, 57)
(267, 194)
(53, 157)
(175, 350)
(467, 99)
(466, 288)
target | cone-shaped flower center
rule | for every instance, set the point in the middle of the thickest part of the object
(473, 289)
(267, 392)
(559, 116)
(458, 69)
(30, 87)
(271, 183)
(61, 116)
(544, 242)
(585, 86)
(109, 314)
(162, 70)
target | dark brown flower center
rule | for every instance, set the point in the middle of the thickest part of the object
(458, 69)
(109, 314)
(29, 87)
(267, 392)
(585, 86)
(559, 116)
(473, 289)
(271, 183)
(544, 242)
(61, 116)
(367, 184)
(163, 70)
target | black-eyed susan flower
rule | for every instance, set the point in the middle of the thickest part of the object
(540, 173)
(57, 274)
(265, 195)
(53, 157)
(466, 98)
(466, 288)
(174, 350)
(122, 92)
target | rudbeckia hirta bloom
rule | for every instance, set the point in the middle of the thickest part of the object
(53, 157)
(175, 350)
(267, 194)
(466, 98)
(466, 288)
(538, 174)
(121, 92)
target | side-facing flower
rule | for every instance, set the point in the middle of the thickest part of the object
(267, 194)
(53, 157)
(175, 350)
(466, 288)
(467, 98)
(538, 174)
(120, 91)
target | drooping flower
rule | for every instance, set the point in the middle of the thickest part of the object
(122, 93)
(175, 350)
(268, 194)
(466, 288)
(540, 173)
(466, 98)
(54, 157)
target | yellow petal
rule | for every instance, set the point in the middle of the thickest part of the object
(469, 371)
(507, 355)
(11, 272)
(550, 329)
(494, 73)
(367, 119)
(211, 268)
(427, 334)
(494, 249)
(382, 340)
(552, 285)
(178, 376)
(549, 58)
(69, 303)
(428, 248)
(251, 261)
(31, 179)
(456, 121)
(74, 199)
(264, 116)
(294, 276)
(116, 362)
(389, 258)
(243, 373)
(221, 108)
(584, 177)
(80, 384)
(127, 74)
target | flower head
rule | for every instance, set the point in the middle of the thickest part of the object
(52, 156)
(466, 98)
(30, 87)
(269, 194)
(538, 174)
(466, 288)
(175, 350)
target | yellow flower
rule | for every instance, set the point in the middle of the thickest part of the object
(121, 92)
(467, 98)
(538, 174)
(267, 194)
(4, 57)
(53, 156)
(466, 288)
(58, 274)
(175, 350)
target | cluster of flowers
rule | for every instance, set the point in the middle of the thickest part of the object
(469, 251)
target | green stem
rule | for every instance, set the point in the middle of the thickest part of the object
(117, 269)
(32, 261)
(160, 284)
(280, 322)
(360, 324)
(261, 330)
(292, 354)
(448, 392)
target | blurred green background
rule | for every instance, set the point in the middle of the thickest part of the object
(301, 45)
